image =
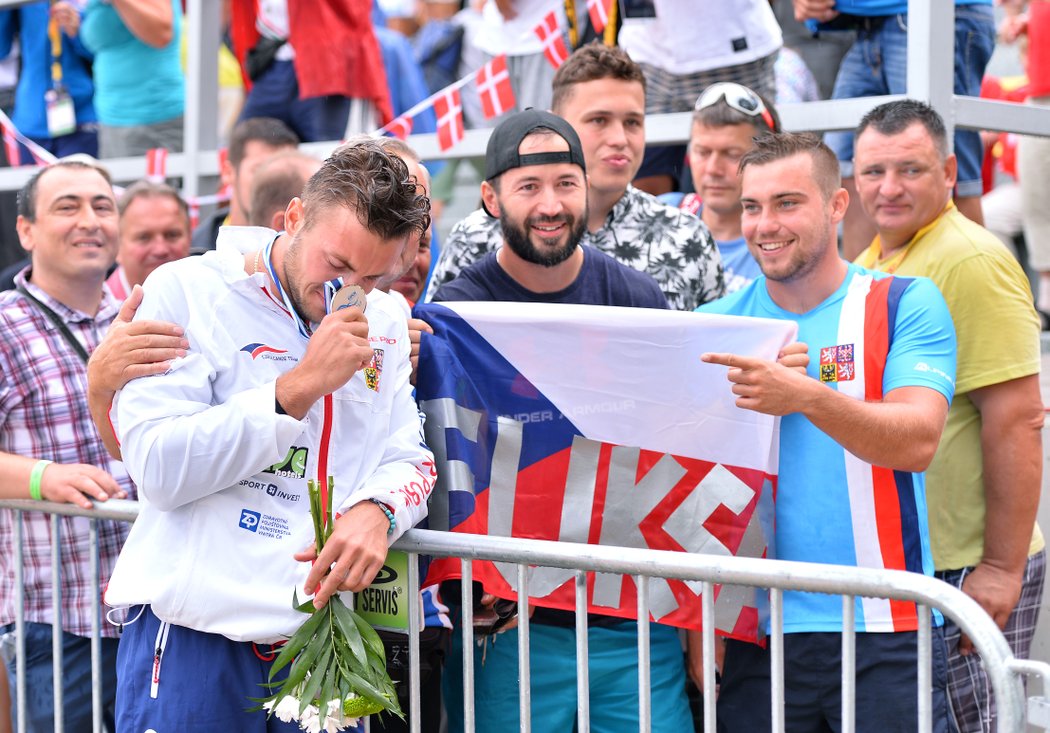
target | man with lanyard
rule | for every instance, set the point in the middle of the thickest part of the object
(986, 478)
(56, 315)
(601, 92)
(857, 431)
(726, 118)
(271, 392)
(536, 188)
(53, 101)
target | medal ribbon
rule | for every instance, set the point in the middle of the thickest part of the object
(304, 330)
(327, 404)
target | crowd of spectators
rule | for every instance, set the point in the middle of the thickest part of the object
(105, 78)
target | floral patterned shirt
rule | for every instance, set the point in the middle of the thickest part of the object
(673, 246)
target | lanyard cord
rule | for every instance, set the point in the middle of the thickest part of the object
(56, 52)
(326, 404)
(304, 330)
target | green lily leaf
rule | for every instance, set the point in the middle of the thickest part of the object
(349, 630)
(299, 640)
(313, 684)
(368, 634)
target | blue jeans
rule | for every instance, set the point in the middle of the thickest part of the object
(76, 680)
(276, 94)
(613, 656)
(877, 63)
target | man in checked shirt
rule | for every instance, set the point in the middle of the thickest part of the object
(49, 448)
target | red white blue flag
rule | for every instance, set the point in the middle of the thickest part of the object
(599, 425)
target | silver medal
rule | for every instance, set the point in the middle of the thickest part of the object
(348, 296)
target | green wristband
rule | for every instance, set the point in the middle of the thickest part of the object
(34, 479)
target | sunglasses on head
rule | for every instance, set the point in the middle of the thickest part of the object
(738, 97)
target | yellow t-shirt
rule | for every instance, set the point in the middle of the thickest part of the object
(998, 333)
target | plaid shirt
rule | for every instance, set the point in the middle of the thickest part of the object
(44, 414)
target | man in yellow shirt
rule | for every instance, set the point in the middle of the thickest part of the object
(984, 483)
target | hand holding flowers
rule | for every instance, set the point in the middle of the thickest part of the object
(338, 664)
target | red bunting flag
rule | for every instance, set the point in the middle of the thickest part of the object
(401, 127)
(156, 164)
(449, 110)
(549, 33)
(224, 156)
(14, 153)
(599, 12)
(494, 88)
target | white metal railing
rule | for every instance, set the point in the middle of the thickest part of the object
(1004, 671)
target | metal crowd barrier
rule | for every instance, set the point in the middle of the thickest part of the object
(1005, 672)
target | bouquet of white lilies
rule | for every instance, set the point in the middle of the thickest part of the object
(338, 665)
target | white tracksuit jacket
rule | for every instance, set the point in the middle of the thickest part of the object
(222, 477)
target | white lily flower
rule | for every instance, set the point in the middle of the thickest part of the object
(287, 709)
(310, 720)
(333, 724)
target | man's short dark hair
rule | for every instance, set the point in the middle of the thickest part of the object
(27, 195)
(770, 148)
(151, 189)
(894, 118)
(266, 130)
(592, 62)
(277, 181)
(373, 183)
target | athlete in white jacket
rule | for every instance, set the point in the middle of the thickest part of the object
(271, 393)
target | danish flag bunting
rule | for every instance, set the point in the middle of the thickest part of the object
(449, 110)
(224, 190)
(549, 33)
(14, 154)
(494, 88)
(401, 127)
(599, 12)
(156, 164)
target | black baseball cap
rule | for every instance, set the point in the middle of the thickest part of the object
(502, 155)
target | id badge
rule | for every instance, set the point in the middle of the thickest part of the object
(384, 604)
(61, 114)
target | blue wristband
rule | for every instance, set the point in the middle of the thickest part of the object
(389, 515)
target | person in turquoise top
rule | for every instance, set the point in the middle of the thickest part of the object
(139, 84)
(74, 126)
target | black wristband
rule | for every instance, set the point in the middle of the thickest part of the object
(278, 407)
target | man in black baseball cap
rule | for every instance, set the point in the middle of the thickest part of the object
(502, 153)
(536, 185)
